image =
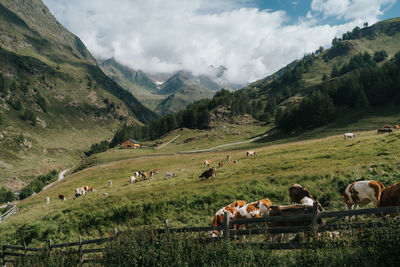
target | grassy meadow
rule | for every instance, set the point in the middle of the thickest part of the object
(325, 166)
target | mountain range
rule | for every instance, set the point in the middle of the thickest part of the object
(165, 96)
(54, 99)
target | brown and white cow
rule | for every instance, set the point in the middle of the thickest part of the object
(300, 195)
(361, 193)
(88, 188)
(231, 209)
(207, 163)
(153, 172)
(221, 164)
(390, 196)
(61, 197)
(253, 210)
(228, 158)
(251, 153)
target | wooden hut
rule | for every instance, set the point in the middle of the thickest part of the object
(131, 143)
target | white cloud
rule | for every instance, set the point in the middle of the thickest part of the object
(358, 10)
(166, 36)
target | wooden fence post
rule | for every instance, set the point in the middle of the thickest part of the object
(314, 224)
(24, 249)
(226, 225)
(80, 251)
(49, 247)
(3, 248)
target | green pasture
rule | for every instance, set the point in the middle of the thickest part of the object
(325, 166)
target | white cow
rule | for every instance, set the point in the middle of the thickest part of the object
(133, 179)
(349, 135)
(306, 201)
(47, 200)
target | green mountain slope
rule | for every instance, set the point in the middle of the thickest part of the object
(384, 35)
(173, 95)
(54, 100)
(182, 89)
(135, 82)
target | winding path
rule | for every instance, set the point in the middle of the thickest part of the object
(60, 177)
(220, 146)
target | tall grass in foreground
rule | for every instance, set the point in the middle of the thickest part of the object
(365, 247)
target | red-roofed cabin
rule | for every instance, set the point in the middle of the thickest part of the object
(131, 143)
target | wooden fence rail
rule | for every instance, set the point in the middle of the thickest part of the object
(8, 213)
(311, 221)
(9, 250)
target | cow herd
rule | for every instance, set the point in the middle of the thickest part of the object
(356, 194)
(211, 173)
(301, 199)
(142, 175)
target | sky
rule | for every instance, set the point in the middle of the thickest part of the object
(251, 38)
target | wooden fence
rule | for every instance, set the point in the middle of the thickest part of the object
(309, 223)
(8, 213)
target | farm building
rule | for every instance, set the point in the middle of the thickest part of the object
(131, 143)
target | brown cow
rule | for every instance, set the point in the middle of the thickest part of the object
(221, 164)
(390, 196)
(61, 197)
(291, 210)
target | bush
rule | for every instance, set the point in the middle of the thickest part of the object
(26, 192)
(6, 195)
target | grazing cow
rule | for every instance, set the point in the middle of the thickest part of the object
(251, 153)
(47, 200)
(109, 183)
(252, 210)
(235, 161)
(207, 163)
(207, 174)
(219, 217)
(105, 194)
(298, 193)
(138, 174)
(384, 130)
(390, 196)
(88, 188)
(349, 135)
(221, 164)
(61, 197)
(228, 158)
(169, 175)
(153, 172)
(133, 179)
(361, 193)
(397, 127)
(79, 192)
(263, 205)
(145, 175)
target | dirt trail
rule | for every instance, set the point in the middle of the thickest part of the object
(60, 177)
